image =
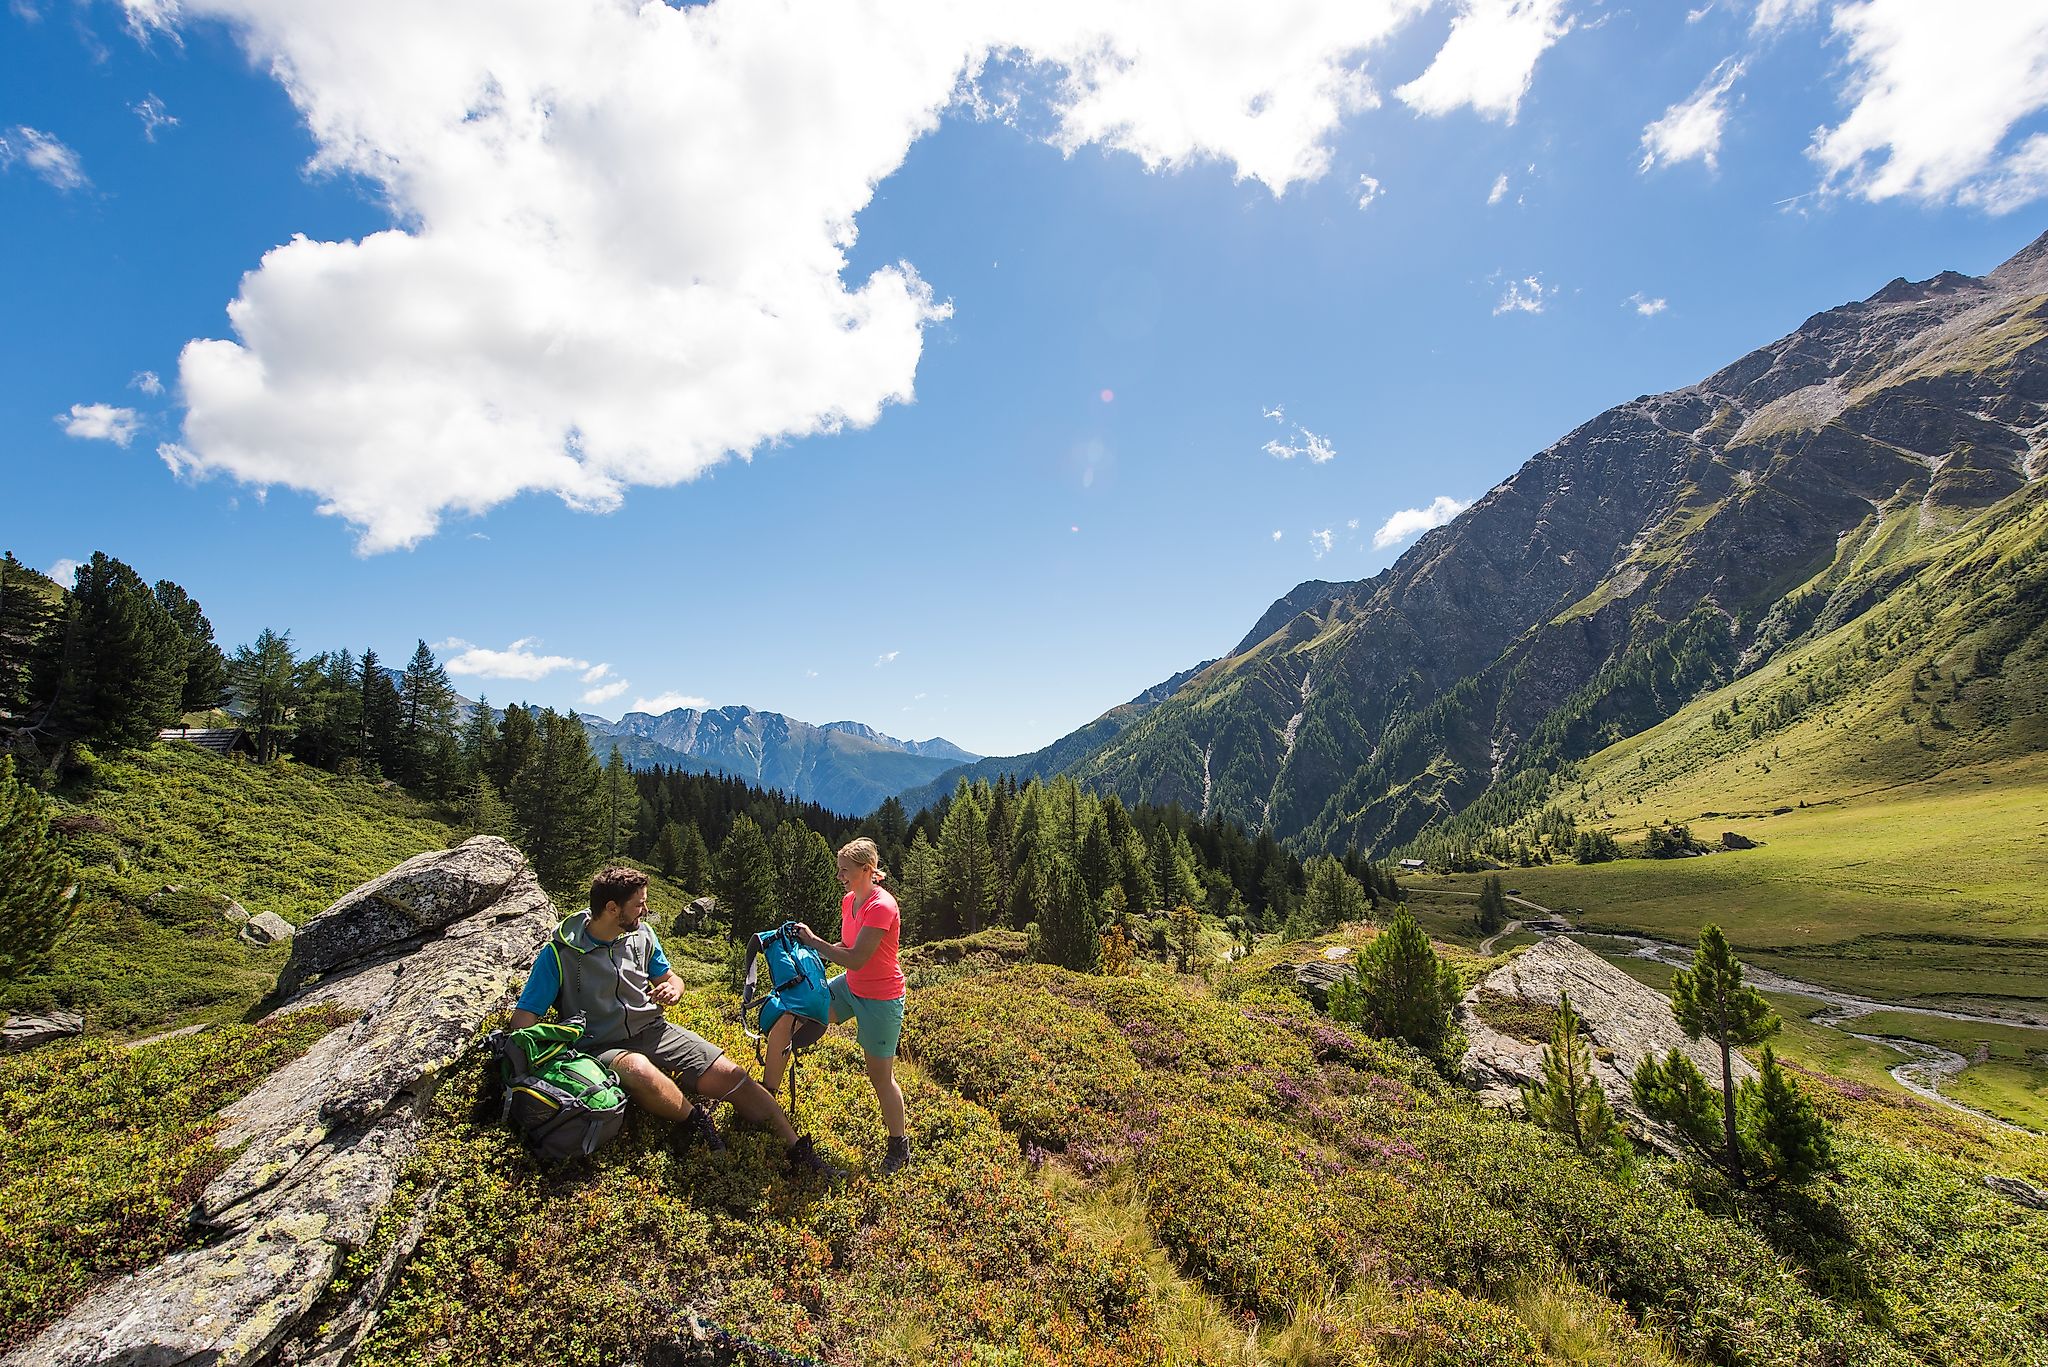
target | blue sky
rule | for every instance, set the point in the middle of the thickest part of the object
(999, 305)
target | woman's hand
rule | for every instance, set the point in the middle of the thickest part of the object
(808, 936)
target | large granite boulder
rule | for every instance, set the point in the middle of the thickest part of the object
(1315, 977)
(1625, 1022)
(414, 960)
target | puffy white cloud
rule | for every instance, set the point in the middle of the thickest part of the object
(669, 702)
(1277, 535)
(1692, 127)
(1526, 295)
(1645, 305)
(624, 228)
(605, 693)
(596, 672)
(517, 661)
(1935, 90)
(1490, 58)
(1411, 522)
(1368, 191)
(887, 657)
(151, 111)
(1319, 542)
(1499, 191)
(147, 381)
(45, 155)
(64, 572)
(1318, 448)
(101, 422)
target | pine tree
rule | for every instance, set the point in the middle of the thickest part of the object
(1400, 989)
(556, 799)
(31, 625)
(1493, 905)
(485, 811)
(265, 678)
(1066, 928)
(518, 742)
(746, 881)
(329, 716)
(967, 867)
(1184, 926)
(1791, 1141)
(1097, 859)
(693, 863)
(37, 905)
(891, 829)
(1333, 898)
(1569, 1099)
(1001, 835)
(668, 849)
(383, 722)
(480, 740)
(206, 669)
(117, 676)
(1710, 1000)
(922, 897)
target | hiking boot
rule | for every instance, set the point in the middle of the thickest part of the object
(693, 1129)
(898, 1155)
(802, 1157)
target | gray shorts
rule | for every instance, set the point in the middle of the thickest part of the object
(682, 1054)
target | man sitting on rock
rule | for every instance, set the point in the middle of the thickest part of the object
(607, 966)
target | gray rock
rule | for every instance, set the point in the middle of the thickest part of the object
(2018, 1190)
(1315, 978)
(1625, 1023)
(233, 912)
(698, 915)
(26, 1032)
(324, 1140)
(420, 896)
(266, 928)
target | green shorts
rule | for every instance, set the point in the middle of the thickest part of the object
(878, 1024)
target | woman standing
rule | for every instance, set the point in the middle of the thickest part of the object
(870, 992)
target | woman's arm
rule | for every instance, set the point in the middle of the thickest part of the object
(846, 956)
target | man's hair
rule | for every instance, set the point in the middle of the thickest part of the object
(615, 884)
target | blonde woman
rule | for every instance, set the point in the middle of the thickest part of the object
(870, 992)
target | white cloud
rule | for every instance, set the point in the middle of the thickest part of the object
(604, 694)
(1692, 127)
(151, 111)
(1352, 524)
(1368, 191)
(1318, 448)
(1526, 295)
(669, 702)
(64, 572)
(1320, 542)
(1414, 521)
(1277, 535)
(147, 381)
(1499, 191)
(1777, 14)
(44, 155)
(516, 661)
(887, 657)
(596, 672)
(1490, 58)
(101, 422)
(1276, 413)
(1645, 305)
(1935, 90)
(587, 294)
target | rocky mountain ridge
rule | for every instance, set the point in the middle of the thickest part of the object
(1663, 547)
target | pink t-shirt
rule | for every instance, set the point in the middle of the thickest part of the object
(880, 979)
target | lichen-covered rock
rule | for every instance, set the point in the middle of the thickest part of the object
(1315, 978)
(423, 895)
(26, 1032)
(266, 928)
(324, 1139)
(1624, 1021)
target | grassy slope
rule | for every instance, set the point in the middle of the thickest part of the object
(280, 838)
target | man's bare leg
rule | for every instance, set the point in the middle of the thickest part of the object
(654, 1091)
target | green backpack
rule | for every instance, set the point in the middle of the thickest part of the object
(563, 1102)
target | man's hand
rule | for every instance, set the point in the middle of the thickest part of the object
(667, 992)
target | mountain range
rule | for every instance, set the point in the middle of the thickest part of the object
(1669, 546)
(846, 766)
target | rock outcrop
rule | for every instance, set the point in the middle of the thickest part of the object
(1315, 977)
(415, 958)
(26, 1032)
(1624, 1021)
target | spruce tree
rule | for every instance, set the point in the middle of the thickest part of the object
(1569, 1099)
(668, 849)
(556, 799)
(37, 903)
(806, 878)
(693, 861)
(620, 801)
(1333, 897)
(518, 741)
(1066, 928)
(480, 740)
(265, 678)
(746, 881)
(117, 676)
(1097, 860)
(384, 722)
(485, 811)
(1400, 989)
(1710, 1000)
(921, 891)
(206, 669)
(426, 703)
(1493, 905)
(968, 868)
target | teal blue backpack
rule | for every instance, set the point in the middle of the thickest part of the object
(795, 986)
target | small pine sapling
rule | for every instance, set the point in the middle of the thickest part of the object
(1401, 989)
(1569, 1099)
